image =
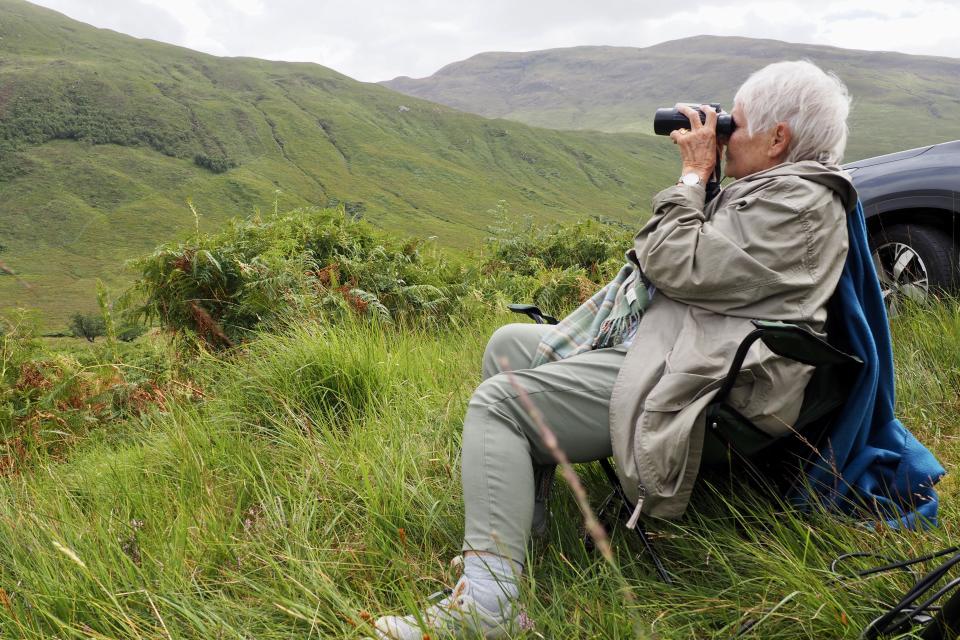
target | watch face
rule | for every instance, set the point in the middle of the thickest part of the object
(690, 179)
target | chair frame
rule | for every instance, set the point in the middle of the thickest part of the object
(724, 423)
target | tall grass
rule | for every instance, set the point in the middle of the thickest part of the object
(318, 484)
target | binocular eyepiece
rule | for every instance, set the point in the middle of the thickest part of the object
(667, 120)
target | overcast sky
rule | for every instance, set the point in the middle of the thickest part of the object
(380, 39)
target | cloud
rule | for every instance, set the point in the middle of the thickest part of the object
(380, 39)
(196, 22)
(247, 7)
(931, 29)
(855, 14)
(133, 17)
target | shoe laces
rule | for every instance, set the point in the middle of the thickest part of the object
(456, 564)
(449, 604)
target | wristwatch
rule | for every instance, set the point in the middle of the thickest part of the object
(690, 179)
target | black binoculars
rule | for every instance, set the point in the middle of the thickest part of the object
(667, 120)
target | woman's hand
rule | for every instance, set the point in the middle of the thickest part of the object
(698, 145)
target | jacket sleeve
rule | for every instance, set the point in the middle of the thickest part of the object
(751, 248)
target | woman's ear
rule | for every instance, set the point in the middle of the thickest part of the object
(780, 142)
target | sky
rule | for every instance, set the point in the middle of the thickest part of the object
(375, 40)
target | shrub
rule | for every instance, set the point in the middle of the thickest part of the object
(87, 325)
(316, 261)
(589, 245)
(51, 398)
(215, 165)
(555, 266)
(327, 262)
(129, 332)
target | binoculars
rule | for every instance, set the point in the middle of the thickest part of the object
(667, 120)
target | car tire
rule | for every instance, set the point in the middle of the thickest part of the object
(914, 261)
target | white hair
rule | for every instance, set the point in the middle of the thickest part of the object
(814, 104)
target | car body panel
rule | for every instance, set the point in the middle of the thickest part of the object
(911, 201)
(890, 157)
(925, 178)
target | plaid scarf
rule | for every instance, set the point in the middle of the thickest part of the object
(605, 320)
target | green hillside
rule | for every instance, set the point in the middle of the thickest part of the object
(900, 101)
(104, 137)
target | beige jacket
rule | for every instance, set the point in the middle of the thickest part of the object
(771, 246)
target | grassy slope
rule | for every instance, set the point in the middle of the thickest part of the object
(900, 101)
(320, 480)
(98, 134)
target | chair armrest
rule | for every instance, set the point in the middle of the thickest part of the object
(800, 344)
(533, 312)
(787, 340)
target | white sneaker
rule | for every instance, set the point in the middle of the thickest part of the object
(456, 616)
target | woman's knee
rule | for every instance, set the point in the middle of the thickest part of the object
(489, 406)
(500, 343)
(497, 391)
(516, 342)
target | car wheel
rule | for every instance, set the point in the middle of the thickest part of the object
(912, 262)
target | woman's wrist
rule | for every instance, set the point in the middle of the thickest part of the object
(705, 173)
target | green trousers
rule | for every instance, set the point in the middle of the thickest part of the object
(501, 443)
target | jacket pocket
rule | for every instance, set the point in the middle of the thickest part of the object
(674, 391)
(746, 392)
(662, 440)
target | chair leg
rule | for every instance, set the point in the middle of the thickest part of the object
(610, 503)
(543, 478)
(640, 529)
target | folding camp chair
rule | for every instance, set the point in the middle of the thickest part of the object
(729, 434)
(930, 609)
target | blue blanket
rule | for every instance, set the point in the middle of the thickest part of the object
(872, 461)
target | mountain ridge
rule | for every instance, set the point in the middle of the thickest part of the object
(900, 100)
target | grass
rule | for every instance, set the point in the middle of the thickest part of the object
(318, 482)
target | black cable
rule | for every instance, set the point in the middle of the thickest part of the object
(946, 624)
(909, 617)
(903, 615)
(892, 564)
(936, 596)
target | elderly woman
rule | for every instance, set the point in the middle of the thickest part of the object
(771, 245)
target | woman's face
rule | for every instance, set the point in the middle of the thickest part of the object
(746, 154)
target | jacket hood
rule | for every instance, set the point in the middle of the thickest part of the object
(831, 176)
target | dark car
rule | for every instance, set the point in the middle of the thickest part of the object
(911, 200)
